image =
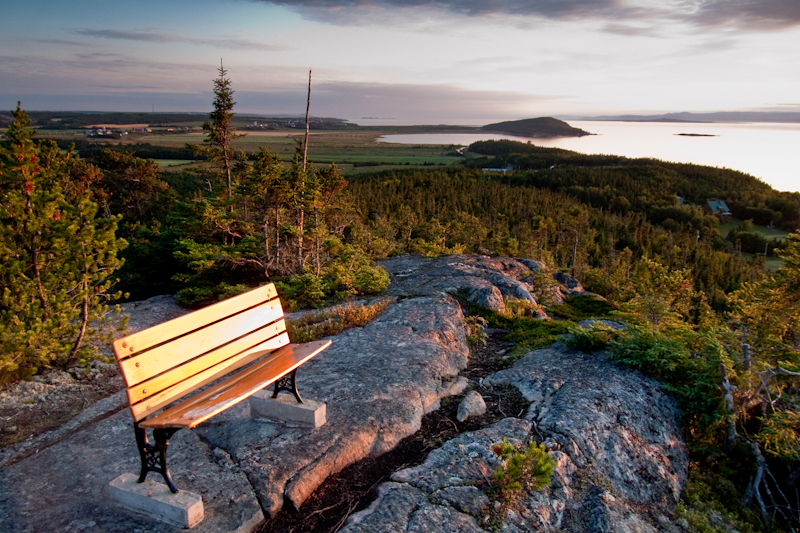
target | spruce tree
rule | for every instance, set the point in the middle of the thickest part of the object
(56, 258)
(218, 144)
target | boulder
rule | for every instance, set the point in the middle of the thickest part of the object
(614, 426)
(485, 281)
(620, 459)
(534, 265)
(568, 281)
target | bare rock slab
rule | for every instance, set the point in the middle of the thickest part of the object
(440, 494)
(614, 437)
(377, 381)
(285, 408)
(65, 487)
(153, 499)
(485, 281)
(604, 423)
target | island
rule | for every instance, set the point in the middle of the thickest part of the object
(539, 128)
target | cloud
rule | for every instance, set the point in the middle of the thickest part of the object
(407, 103)
(154, 37)
(624, 29)
(62, 42)
(742, 14)
(95, 73)
(748, 14)
(552, 9)
(357, 12)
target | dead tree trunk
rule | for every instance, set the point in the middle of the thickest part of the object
(301, 217)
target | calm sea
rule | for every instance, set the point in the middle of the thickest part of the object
(767, 151)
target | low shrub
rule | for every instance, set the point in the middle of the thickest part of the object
(314, 326)
(524, 470)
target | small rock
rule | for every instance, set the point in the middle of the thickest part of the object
(471, 406)
(222, 458)
(567, 281)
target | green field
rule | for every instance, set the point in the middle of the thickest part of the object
(353, 151)
(173, 162)
(770, 234)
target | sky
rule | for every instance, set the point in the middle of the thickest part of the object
(404, 61)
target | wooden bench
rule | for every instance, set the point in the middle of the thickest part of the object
(166, 363)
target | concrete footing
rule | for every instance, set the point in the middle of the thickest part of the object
(285, 408)
(155, 500)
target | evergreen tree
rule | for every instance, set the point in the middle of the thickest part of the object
(56, 258)
(218, 144)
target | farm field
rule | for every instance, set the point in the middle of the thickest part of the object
(173, 162)
(351, 150)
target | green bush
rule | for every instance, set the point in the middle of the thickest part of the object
(476, 330)
(688, 365)
(581, 307)
(596, 337)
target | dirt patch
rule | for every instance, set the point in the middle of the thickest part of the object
(353, 489)
(30, 408)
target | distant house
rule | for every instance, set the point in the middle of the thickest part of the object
(717, 207)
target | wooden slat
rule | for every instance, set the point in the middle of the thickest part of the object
(230, 392)
(170, 355)
(153, 403)
(137, 342)
(266, 339)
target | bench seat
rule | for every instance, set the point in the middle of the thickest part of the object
(231, 391)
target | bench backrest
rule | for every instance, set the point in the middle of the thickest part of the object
(168, 361)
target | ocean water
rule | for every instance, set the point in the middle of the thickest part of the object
(766, 151)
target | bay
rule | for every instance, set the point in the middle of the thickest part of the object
(767, 151)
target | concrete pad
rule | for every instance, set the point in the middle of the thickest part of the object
(154, 499)
(285, 408)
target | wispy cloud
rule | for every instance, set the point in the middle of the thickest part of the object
(149, 36)
(628, 30)
(408, 103)
(751, 15)
(748, 14)
(63, 42)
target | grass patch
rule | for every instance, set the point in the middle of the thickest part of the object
(770, 234)
(342, 147)
(529, 333)
(173, 162)
(772, 263)
(316, 325)
(581, 307)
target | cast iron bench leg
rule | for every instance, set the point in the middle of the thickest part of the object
(154, 457)
(288, 382)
